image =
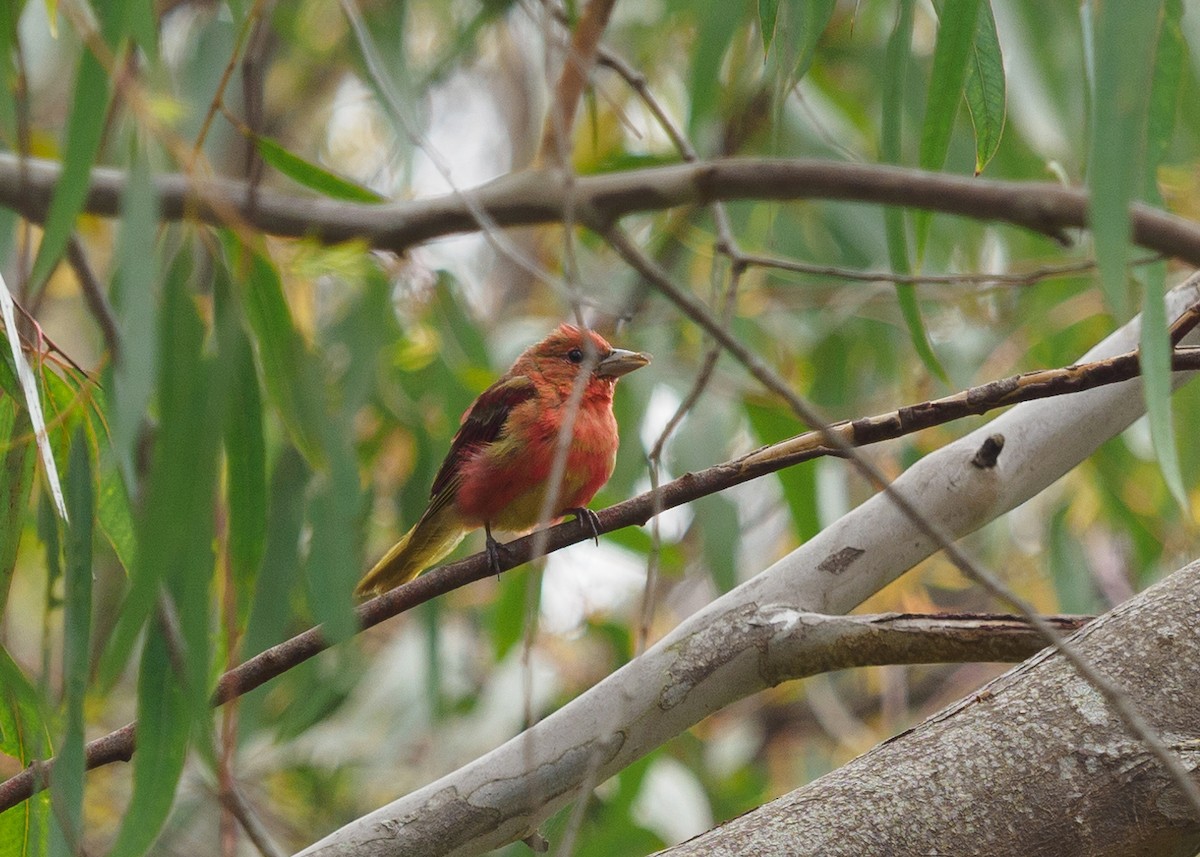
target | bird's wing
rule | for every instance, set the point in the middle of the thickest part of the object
(482, 424)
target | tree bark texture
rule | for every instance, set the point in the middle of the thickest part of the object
(1034, 763)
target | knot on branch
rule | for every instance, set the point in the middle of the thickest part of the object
(989, 452)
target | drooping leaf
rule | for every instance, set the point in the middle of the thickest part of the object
(245, 451)
(768, 11)
(84, 129)
(896, 62)
(1125, 32)
(289, 372)
(956, 39)
(16, 480)
(136, 302)
(164, 721)
(311, 175)
(985, 88)
(799, 25)
(1155, 356)
(66, 832)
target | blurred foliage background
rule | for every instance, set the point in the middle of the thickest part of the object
(241, 424)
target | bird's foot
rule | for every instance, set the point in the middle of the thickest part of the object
(589, 520)
(496, 552)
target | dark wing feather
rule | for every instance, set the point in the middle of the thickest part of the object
(481, 424)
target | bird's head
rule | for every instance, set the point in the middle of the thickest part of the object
(569, 350)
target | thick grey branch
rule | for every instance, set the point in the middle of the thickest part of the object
(1034, 763)
(535, 197)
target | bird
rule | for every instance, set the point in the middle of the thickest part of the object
(497, 471)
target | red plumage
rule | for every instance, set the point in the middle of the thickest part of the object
(497, 471)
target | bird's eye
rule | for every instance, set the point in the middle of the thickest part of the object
(575, 355)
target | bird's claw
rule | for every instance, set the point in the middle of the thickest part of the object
(495, 551)
(589, 520)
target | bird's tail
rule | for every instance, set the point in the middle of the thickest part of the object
(435, 535)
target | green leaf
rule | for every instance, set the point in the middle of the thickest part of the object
(141, 22)
(896, 62)
(175, 532)
(333, 562)
(1125, 33)
(114, 513)
(16, 480)
(955, 40)
(66, 832)
(772, 425)
(277, 580)
(245, 453)
(24, 737)
(310, 175)
(289, 371)
(799, 26)
(84, 130)
(1155, 361)
(768, 10)
(164, 721)
(986, 88)
(1155, 357)
(136, 302)
(716, 25)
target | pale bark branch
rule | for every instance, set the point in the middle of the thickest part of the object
(1033, 763)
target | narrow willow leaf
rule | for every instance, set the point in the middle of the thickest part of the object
(896, 62)
(955, 40)
(716, 24)
(66, 832)
(29, 389)
(245, 451)
(84, 130)
(310, 175)
(333, 561)
(173, 510)
(24, 737)
(768, 10)
(136, 302)
(16, 480)
(1125, 34)
(1155, 355)
(985, 88)
(164, 721)
(800, 25)
(289, 371)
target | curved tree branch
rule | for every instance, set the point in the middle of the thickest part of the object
(541, 196)
(1034, 762)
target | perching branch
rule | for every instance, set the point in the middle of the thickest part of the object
(538, 196)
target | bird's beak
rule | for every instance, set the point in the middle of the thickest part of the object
(621, 362)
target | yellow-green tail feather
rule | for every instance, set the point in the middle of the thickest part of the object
(437, 533)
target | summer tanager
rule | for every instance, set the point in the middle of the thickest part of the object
(497, 471)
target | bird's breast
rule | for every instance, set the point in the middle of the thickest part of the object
(504, 483)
